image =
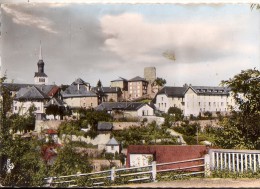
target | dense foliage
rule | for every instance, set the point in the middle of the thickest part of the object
(150, 134)
(241, 129)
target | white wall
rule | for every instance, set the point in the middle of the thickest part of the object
(163, 102)
(112, 149)
(138, 160)
(24, 106)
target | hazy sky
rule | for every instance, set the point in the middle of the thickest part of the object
(106, 41)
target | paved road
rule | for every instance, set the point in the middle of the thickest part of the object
(199, 183)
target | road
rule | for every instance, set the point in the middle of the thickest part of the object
(199, 183)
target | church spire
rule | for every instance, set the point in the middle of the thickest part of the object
(40, 53)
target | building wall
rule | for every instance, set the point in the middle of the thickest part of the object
(137, 89)
(23, 107)
(112, 149)
(163, 102)
(195, 104)
(86, 102)
(168, 153)
(145, 111)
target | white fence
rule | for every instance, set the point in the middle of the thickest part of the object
(133, 174)
(234, 160)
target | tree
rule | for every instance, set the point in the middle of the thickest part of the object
(245, 89)
(69, 161)
(99, 84)
(160, 81)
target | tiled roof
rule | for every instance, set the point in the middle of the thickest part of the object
(37, 74)
(106, 89)
(79, 81)
(109, 106)
(133, 106)
(16, 86)
(173, 91)
(112, 142)
(107, 126)
(55, 101)
(119, 79)
(138, 79)
(31, 93)
(211, 90)
(72, 91)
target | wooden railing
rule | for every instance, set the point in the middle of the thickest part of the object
(128, 175)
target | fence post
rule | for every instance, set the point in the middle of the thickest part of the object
(49, 182)
(113, 174)
(207, 165)
(154, 171)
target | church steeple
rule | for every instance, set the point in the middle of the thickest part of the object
(40, 77)
(40, 53)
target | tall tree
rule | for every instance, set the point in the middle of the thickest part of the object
(245, 89)
(99, 84)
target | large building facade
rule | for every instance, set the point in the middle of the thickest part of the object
(195, 100)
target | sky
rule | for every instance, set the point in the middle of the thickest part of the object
(92, 41)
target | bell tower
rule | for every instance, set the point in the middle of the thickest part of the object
(40, 77)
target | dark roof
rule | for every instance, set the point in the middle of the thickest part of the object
(138, 79)
(38, 74)
(55, 101)
(31, 93)
(173, 91)
(104, 126)
(119, 79)
(73, 91)
(16, 86)
(133, 106)
(109, 106)
(207, 90)
(47, 89)
(106, 89)
(80, 82)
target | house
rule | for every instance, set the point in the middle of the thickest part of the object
(138, 109)
(79, 95)
(142, 155)
(108, 94)
(128, 109)
(28, 97)
(120, 82)
(137, 87)
(201, 99)
(113, 146)
(34, 95)
(169, 97)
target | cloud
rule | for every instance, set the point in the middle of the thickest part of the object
(132, 37)
(23, 18)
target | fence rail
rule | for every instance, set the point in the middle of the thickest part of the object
(133, 174)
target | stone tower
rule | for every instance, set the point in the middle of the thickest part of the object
(150, 74)
(40, 77)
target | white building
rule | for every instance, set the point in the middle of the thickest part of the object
(195, 100)
(113, 146)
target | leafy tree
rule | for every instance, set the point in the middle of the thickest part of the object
(69, 161)
(176, 112)
(57, 110)
(160, 81)
(245, 121)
